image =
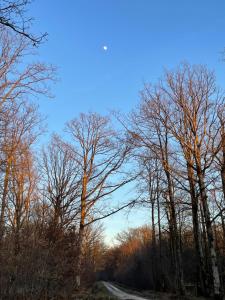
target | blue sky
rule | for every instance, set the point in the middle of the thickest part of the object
(143, 37)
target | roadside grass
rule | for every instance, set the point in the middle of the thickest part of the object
(97, 292)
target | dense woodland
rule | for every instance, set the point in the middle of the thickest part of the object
(171, 147)
(178, 140)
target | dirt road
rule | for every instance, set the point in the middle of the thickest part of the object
(121, 294)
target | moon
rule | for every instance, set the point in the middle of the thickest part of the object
(105, 48)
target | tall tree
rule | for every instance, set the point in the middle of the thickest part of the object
(148, 132)
(101, 157)
(61, 184)
(20, 129)
(188, 99)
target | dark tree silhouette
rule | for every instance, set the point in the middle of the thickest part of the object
(13, 15)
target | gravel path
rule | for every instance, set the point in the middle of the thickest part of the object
(121, 294)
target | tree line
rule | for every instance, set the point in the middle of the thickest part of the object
(51, 199)
(178, 138)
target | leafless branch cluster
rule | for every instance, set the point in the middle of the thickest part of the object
(13, 16)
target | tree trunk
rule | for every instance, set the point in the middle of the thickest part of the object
(209, 231)
(175, 236)
(17, 232)
(153, 243)
(172, 217)
(222, 171)
(79, 256)
(160, 268)
(3, 206)
(223, 228)
(81, 232)
(201, 271)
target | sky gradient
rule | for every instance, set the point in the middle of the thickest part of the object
(143, 38)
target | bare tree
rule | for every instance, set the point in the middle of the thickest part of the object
(61, 183)
(19, 129)
(188, 100)
(101, 158)
(151, 191)
(148, 132)
(21, 191)
(18, 82)
(221, 154)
